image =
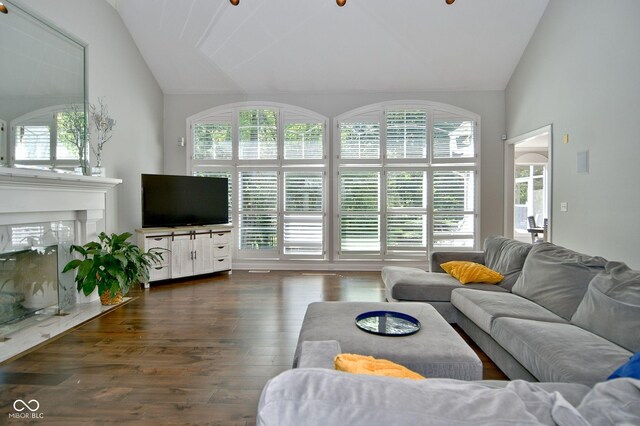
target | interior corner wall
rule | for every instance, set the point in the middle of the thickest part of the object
(116, 72)
(489, 104)
(581, 72)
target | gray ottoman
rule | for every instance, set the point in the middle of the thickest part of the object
(434, 351)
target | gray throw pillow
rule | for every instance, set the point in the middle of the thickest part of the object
(611, 306)
(506, 256)
(557, 278)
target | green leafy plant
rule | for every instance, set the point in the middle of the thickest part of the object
(111, 264)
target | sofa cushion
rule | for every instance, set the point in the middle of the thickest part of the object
(471, 272)
(417, 285)
(611, 306)
(506, 256)
(483, 307)
(555, 352)
(557, 278)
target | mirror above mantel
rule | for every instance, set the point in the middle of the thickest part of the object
(42, 74)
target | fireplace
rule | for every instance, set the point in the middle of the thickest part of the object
(41, 215)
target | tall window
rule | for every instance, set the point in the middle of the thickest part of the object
(274, 157)
(406, 179)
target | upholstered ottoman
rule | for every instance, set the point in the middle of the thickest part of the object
(434, 351)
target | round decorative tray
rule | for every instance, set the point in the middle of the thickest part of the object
(387, 323)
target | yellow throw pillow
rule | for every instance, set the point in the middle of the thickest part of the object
(362, 364)
(471, 272)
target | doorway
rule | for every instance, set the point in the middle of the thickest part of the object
(528, 186)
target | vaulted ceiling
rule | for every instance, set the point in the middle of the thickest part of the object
(262, 46)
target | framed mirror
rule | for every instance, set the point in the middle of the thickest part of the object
(42, 88)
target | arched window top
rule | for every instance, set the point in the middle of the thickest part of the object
(372, 109)
(291, 111)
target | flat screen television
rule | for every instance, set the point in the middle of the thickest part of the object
(184, 201)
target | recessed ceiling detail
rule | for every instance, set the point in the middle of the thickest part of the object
(267, 46)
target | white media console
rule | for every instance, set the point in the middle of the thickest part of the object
(188, 250)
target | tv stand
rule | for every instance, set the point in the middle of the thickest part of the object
(187, 250)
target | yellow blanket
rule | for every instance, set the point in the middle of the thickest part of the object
(362, 364)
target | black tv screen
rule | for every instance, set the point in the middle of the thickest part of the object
(184, 200)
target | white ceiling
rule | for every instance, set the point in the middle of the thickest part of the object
(263, 46)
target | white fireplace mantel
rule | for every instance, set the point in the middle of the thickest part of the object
(29, 196)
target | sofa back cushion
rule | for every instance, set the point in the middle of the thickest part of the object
(557, 278)
(505, 256)
(611, 306)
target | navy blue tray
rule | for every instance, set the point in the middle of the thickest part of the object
(387, 323)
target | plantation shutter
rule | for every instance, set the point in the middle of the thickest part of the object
(360, 211)
(303, 213)
(303, 137)
(32, 142)
(406, 134)
(213, 137)
(406, 210)
(453, 136)
(258, 134)
(258, 210)
(360, 137)
(454, 208)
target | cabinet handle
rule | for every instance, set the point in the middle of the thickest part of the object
(221, 247)
(220, 235)
(157, 239)
(191, 252)
(158, 267)
(195, 255)
(221, 260)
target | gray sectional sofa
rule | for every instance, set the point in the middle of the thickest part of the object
(315, 394)
(559, 315)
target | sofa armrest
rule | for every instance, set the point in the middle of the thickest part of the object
(440, 257)
(318, 354)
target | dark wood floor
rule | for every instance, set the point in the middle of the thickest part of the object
(195, 352)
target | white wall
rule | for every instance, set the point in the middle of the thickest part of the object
(117, 72)
(490, 106)
(581, 72)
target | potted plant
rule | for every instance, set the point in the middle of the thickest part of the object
(111, 264)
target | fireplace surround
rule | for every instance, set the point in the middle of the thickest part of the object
(41, 214)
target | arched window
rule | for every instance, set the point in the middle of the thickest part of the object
(275, 158)
(406, 177)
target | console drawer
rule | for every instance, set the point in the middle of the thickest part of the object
(221, 264)
(220, 251)
(222, 238)
(157, 273)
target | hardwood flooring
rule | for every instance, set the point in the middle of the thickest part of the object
(190, 352)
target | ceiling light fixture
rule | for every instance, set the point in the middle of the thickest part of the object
(3, 8)
(235, 2)
(449, 1)
(341, 2)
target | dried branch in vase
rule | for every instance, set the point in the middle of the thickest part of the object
(104, 126)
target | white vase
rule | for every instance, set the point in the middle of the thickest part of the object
(99, 171)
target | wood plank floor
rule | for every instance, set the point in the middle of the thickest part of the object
(193, 352)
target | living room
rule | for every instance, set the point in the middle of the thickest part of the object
(566, 64)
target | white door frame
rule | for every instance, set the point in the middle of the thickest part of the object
(509, 179)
